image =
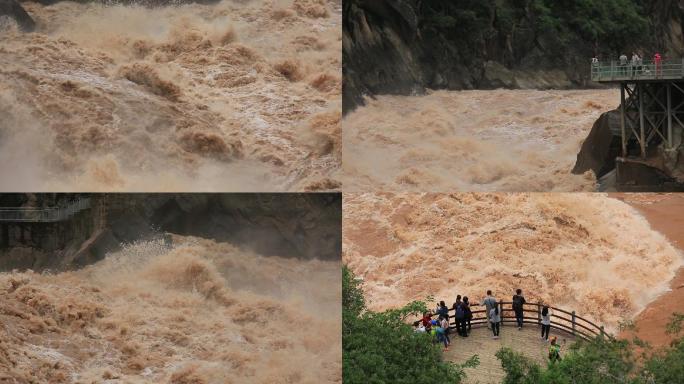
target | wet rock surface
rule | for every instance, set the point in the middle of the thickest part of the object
(292, 225)
(14, 10)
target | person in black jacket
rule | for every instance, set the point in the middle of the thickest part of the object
(468, 314)
(457, 308)
(443, 310)
(518, 305)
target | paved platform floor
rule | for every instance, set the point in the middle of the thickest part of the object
(527, 341)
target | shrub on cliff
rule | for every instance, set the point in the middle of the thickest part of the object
(380, 347)
(602, 361)
(558, 26)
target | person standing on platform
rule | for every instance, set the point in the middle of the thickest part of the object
(489, 302)
(623, 65)
(518, 307)
(545, 323)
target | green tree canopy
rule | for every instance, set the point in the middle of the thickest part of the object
(381, 347)
(603, 361)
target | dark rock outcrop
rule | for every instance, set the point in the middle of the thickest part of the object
(14, 10)
(662, 163)
(601, 146)
(303, 226)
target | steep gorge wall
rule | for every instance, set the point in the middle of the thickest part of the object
(289, 225)
(389, 47)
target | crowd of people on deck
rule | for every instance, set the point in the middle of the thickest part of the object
(634, 66)
(437, 322)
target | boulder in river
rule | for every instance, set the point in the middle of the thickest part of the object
(15, 11)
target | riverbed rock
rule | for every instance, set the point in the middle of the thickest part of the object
(601, 147)
(14, 10)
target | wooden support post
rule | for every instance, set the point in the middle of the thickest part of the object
(642, 129)
(574, 321)
(670, 142)
(622, 119)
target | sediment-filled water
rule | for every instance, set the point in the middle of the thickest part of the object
(199, 312)
(578, 251)
(494, 140)
(239, 95)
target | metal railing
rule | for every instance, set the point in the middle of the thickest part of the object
(668, 69)
(567, 321)
(47, 215)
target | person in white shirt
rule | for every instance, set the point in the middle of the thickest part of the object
(545, 322)
(489, 302)
(444, 322)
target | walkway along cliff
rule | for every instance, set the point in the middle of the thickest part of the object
(638, 146)
(65, 231)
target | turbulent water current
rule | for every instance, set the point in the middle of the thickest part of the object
(484, 140)
(199, 312)
(234, 96)
(586, 252)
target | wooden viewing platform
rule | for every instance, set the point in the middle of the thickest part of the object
(561, 320)
(651, 104)
(527, 342)
(613, 71)
(567, 326)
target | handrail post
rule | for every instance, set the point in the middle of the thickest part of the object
(603, 333)
(574, 322)
(538, 314)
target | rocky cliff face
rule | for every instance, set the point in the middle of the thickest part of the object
(291, 225)
(390, 46)
(305, 226)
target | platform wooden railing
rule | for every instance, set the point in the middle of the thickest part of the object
(613, 71)
(563, 320)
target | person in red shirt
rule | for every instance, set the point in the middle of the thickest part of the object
(427, 321)
(658, 64)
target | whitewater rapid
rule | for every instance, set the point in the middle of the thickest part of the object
(236, 96)
(483, 140)
(580, 251)
(199, 312)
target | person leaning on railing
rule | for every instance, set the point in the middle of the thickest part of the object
(489, 302)
(518, 304)
(442, 309)
(623, 64)
(457, 308)
(468, 315)
(495, 321)
(545, 322)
